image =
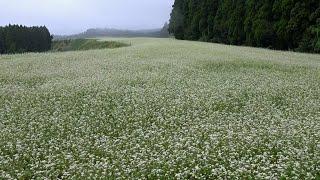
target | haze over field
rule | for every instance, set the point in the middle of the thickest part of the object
(74, 16)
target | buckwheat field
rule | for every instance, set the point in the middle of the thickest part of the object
(160, 109)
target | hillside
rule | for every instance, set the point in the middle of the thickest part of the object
(110, 32)
(160, 108)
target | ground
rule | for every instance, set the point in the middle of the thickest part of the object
(160, 108)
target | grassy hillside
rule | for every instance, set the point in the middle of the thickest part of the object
(84, 44)
(160, 108)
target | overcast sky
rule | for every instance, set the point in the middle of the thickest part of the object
(74, 16)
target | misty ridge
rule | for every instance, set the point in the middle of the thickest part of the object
(113, 32)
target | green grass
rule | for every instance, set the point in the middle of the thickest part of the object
(160, 109)
(84, 44)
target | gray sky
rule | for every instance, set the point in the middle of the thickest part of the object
(74, 16)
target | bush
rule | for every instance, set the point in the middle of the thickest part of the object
(84, 44)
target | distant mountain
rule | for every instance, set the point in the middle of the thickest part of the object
(110, 32)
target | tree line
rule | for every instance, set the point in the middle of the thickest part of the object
(19, 39)
(276, 24)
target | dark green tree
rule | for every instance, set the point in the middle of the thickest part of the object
(276, 24)
(177, 20)
(19, 39)
(2, 41)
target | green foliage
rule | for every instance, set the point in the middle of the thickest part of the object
(20, 39)
(277, 24)
(84, 44)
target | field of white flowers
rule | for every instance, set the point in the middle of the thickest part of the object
(160, 109)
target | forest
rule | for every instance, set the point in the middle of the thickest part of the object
(275, 24)
(20, 39)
